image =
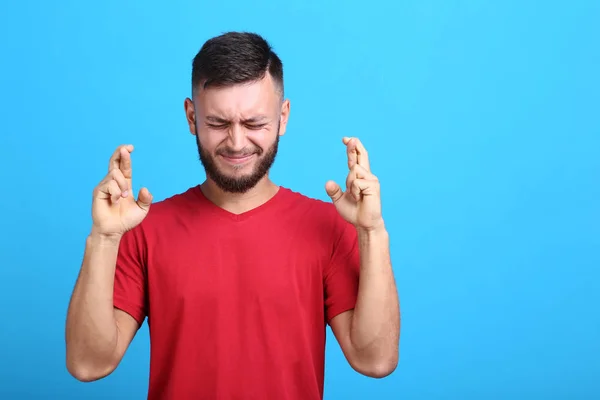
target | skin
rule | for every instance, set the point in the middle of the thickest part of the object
(230, 123)
(97, 334)
(368, 335)
(238, 120)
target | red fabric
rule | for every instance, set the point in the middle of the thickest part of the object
(237, 305)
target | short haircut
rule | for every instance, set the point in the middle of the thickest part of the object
(235, 58)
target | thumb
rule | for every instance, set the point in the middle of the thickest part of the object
(144, 199)
(334, 191)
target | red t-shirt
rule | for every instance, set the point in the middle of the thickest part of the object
(237, 305)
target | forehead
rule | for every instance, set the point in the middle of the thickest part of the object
(239, 101)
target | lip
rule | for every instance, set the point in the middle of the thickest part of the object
(237, 160)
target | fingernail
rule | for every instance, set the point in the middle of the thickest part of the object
(125, 193)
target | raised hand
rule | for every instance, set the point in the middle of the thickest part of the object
(114, 208)
(360, 204)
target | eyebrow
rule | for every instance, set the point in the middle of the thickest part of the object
(216, 120)
(253, 120)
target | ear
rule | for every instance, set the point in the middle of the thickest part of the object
(190, 115)
(285, 115)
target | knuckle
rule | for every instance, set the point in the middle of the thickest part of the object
(114, 187)
(117, 152)
(116, 174)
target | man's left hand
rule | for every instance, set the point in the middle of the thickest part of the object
(360, 204)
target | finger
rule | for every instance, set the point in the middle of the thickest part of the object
(357, 172)
(334, 191)
(351, 152)
(362, 157)
(115, 159)
(144, 199)
(125, 163)
(359, 187)
(123, 183)
(113, 191)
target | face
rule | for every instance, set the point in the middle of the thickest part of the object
(237, 131)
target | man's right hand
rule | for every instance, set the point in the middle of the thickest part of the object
(114, 208)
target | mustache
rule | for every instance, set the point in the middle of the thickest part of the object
(227, 152)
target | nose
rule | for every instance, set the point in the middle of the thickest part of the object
(237, 138)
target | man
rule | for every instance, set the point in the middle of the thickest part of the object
(238, 277)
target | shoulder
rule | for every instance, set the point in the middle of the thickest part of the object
(163, 222)
(321, 224)
(172, 208)
(301, 202)
(315, 212)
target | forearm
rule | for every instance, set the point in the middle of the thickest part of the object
(375, 328)
(91, 331)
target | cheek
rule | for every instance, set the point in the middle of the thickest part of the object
(263, 138)
(209, 140)
(257, 137)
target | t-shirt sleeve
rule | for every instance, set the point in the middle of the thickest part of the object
(130, 275)
(342, 274)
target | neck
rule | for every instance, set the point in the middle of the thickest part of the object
(238, 203)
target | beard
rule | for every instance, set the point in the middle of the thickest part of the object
(242, 183)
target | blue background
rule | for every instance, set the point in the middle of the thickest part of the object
(482, 123)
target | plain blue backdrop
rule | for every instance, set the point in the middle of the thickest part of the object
(482, 123)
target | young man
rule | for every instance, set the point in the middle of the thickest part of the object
(238, 277)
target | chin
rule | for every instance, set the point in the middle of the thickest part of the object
(237, 171)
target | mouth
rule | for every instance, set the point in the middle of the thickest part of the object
(236, 160)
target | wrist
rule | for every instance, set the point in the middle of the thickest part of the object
(376, 231)
(97, 238)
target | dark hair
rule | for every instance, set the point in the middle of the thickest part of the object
(233, 58)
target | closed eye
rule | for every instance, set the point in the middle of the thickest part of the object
(256, 126)
(217, 126)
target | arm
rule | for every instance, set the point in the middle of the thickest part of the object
(97, 334)
(368, 329)
(369, 335)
